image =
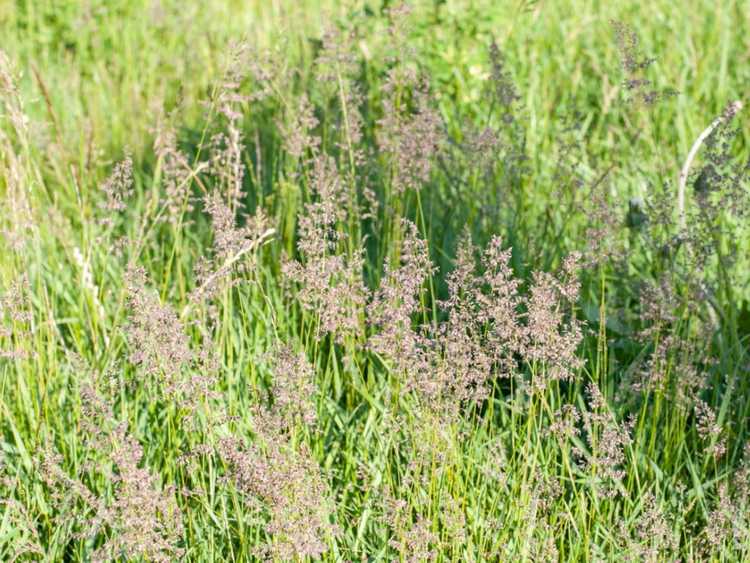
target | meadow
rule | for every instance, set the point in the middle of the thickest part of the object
(451, 280)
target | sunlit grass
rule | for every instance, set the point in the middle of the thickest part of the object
(630, 447)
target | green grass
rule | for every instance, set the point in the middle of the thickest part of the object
(95, 80)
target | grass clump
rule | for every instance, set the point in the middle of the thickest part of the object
(374, 290)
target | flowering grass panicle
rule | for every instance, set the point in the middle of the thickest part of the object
(176, 173)
(330, 281)
(293, 390)
(143, 518)
(226, 163)
(230, 240)
(15, 319)
(635, 63)
(660, 311)
(231, 243)
(155, 334)
(607, 440)
(391, 310)
(20, 221)
(298, 135)
(506, 92)
(337, 60)
(135, 515)
(499, 305)
(411, 537)
(565, 423)
(709, 430)
(418, 542)
(465, 360)
(550, 335)
(727, 523)
(285, 482)
(10, 95)
(117, 189)
(536, 499)
(411, 139)
(27, 542)
(654, 538)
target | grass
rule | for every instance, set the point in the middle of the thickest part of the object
(167, 413)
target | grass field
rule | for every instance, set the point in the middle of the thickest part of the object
(352, 281)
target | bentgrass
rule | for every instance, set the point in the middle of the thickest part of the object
(305, 381)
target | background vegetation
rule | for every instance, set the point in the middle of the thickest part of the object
(347, 280)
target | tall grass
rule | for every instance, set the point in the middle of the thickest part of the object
(299, 281)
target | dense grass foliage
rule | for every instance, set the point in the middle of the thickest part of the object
(361, 281)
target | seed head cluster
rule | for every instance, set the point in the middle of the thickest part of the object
(299, 334)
